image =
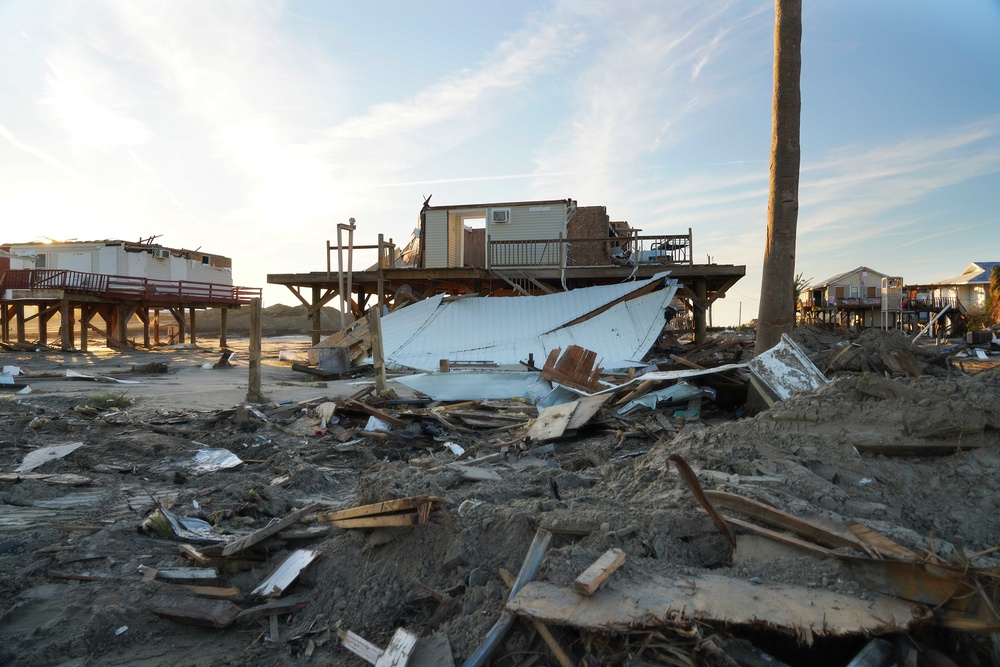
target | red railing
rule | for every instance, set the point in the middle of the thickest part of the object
(127, 287)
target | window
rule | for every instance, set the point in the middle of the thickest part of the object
(872, 292)
(40, 261)
(205, 259)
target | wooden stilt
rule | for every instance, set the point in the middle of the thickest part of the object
(193, 333)
(156, 326)
(19, 321)
(66, 325)
(254, 394)
(143, 314)
(223, 327)
(86, 312)
(317, 317)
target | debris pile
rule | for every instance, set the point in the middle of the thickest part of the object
(370, 530)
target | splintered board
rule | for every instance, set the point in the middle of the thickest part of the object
(653, 601)
(411, 511)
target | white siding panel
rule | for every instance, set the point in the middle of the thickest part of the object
(435, 239)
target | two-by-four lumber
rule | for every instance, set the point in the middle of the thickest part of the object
(396, 654)
(253, 538)
(599, 571)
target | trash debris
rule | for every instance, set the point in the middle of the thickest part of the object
(285, 573)
(210, 460)
(43, 455)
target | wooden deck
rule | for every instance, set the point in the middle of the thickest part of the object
(78, 297)
(701, 284)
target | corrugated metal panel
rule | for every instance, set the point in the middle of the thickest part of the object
(436, 238)
(505, 330)
(402, 324)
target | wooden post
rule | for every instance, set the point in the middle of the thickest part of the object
(85, 314)
(5, 312)
(375, 328)
(145, 325)
(66, 317)
(194, 331)
(701, 292)
(43, 327)
(254, 394)
(19, 321)
(381, 278)
(124, 315)
(317, 317)
(156, 326)
(223, 327)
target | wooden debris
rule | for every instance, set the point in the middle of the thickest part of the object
(555, 421)
(358, 406)
(543, 630)
(267, 531)
(412, 511)
(880, 542)
(879, 387)
(288, 605)
(659, 600)
(775, 517)
(195, 611)
(286, 573)
(577, 368)
(187, 573)
(214, 592)
(396, 654)
(594, 576)
(63, 479)
(699, 494)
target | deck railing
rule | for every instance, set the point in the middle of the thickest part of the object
(126, 287)
(663, 249)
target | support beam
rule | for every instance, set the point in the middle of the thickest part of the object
(194, 329)
(254, 394)
(19, 321)
(143, 314)
(317, 317)
(223, 327)
(86, 312)
(701, 292)
(156, 326)
(6, 312)
(66, 321)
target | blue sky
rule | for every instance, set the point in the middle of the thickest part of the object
(251, 128)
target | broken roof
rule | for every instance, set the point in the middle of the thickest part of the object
(618, 322)
(544, 202)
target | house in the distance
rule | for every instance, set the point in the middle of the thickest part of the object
(852, 298)
(114, 281)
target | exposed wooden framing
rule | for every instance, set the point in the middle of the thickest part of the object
(375, 327)
(181, 327)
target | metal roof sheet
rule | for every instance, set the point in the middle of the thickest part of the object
(504, 330)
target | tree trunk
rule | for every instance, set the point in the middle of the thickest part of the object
(777, 313)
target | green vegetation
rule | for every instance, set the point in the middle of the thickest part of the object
(109, 399)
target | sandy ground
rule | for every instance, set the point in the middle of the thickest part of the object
(187, 384)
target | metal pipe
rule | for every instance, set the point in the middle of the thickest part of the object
(532, 561)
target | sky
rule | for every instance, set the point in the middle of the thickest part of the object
(251, 128)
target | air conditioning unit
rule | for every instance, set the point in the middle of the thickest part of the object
(501, 216)
(161, 253)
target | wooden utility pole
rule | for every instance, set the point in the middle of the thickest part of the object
(375, 328)
(254, 394)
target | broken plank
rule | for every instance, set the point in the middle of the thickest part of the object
(658, 600)
(358, 406)
(214, 592)
(360, 646)
(195, 611)
(187, 573)
(775, 517)
(397, 653)
(43, 455)
(586, 408)
(594, 576)
(384, 507)
(288, 605)
(270, 529)
(63, 479)
(383, 521)
(552, 422)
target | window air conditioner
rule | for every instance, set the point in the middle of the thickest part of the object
(161, 253)
(501, 215)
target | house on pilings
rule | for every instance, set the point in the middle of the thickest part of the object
(509, 249)
(65, 283)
